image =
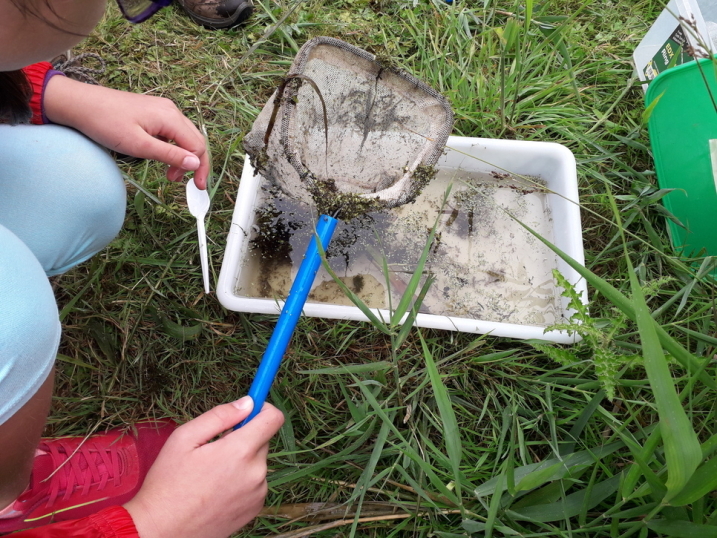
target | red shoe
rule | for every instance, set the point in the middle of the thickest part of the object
(73, 479)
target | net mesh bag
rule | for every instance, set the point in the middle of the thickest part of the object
(349, 132)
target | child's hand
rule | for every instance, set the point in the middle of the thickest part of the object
(130, 123)
(208, 490)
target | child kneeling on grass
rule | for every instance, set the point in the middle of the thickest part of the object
(62, 199)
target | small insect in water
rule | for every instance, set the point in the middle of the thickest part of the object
(495, 276)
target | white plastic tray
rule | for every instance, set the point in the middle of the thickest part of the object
(552, 162)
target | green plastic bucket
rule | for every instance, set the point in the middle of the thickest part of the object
(683, 136)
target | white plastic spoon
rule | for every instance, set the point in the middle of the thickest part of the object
(198, 203)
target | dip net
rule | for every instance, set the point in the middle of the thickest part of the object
(349, 132)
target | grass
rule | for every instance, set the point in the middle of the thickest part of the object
(419, 433)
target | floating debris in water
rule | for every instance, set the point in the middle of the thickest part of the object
(486, 265)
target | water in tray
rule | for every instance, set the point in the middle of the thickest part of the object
(486, 265)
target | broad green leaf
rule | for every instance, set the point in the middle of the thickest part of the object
(472, 526)
(540, 477)
(682, 448)
(571, 505)
(570, 463)
(702, 482)
(682, 529)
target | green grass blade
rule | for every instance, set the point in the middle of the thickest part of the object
(570, 463)
(76, 362)
(702, 482)
(648, 111)
(411, 318)
(365, 480)
(682, 448)
(587, 497)
(528, 13)
(408, 449)
(367, 474)
(569, 446)
(292, 474)
(373, 318)
(350, 368)
(658, 488)
(451, 433)
(538, 478)
(571, 505)
(407, 297)
(682, 529)
(408, 479)
(175, 330)
(494, 505)
(612, 294)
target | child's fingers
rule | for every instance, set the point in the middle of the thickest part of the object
(177, 156)
(199, 431)
(175, 174)
(259, 430)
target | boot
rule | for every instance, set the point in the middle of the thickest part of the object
(216, 14)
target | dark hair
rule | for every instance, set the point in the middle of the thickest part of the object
(30, 8)
(15, 94)
(15, 90)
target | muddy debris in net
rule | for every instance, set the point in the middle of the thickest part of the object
(260, 161)
(386, 62)
(345, 206)
(383, 123)
(422, 176)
